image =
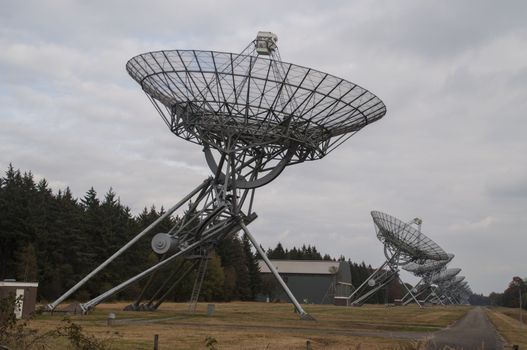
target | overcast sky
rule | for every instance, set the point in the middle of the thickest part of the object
(451, 149)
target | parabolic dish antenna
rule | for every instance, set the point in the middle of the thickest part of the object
(426, 271)
(428, 267)
(253, 114)
(452, 290)
(456, 280)
(445, 275)
(265, 112)
(403, 239)
(403, 244)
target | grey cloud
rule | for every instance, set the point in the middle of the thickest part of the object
(509, 188)
(450, 150)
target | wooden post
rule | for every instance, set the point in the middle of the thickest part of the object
(156, 342)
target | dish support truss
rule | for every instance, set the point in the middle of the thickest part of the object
(216, 208)
(420, 290)
(426, 271)
(452, 291)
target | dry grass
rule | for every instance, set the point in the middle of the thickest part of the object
(247, 325)
(509, 327)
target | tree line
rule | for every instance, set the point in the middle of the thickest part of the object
(56, 239)
(303, 253)
(510, 297)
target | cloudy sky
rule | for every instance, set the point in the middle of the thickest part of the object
(451, 149)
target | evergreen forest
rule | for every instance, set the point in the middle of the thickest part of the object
(56, 239)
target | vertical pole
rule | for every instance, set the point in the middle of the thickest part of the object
(303, 315)
(521, 315)
(156, 342)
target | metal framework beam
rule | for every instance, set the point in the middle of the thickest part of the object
(303, 314)
(169, 212)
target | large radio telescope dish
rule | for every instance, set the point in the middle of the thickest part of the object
(405, 240)
(403, 245)
(428, 267)
(253, 114)
(268, 112)
(458, 279)
(426, 270)
(446, 275)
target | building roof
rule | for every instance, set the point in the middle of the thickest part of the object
(18, 284)
(318, 267)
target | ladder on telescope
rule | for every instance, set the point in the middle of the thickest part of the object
(200, 276)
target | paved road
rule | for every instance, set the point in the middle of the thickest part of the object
(472, 332)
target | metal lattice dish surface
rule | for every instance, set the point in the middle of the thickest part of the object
(463, 285)
(427, 267)
(454, 281)
(446, 275)
(405, 240)
(249, 101)
(458, 279)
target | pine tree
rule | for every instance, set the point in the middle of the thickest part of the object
(213, 283)
(95, 242)
(277, 253)
(27, 264)
(14, 231)
(251, 261)
(231, 251)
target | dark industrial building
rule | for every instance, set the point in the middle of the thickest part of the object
(25, 293)
(311, 281)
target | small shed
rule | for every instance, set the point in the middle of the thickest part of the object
(311, 281)
(23, 292)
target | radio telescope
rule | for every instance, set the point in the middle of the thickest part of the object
(253, 115)
(426, 271)
(429, 268)
(457, 292)
(445, 275)
(447, 289)
(439, 282)
(461, 293)
(403, 244)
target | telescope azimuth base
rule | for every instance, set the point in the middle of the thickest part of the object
(212, 218)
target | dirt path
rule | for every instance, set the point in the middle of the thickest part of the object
(472, 332)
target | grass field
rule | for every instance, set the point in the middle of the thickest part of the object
(506, 320)
(250, 325)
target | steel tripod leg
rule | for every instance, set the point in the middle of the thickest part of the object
(359, 289)
(303, 315)
(362, 299)
(90, 304)
(417, 294)
(169, 212)
(409, 291)
(416, 287)
(172, 287)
